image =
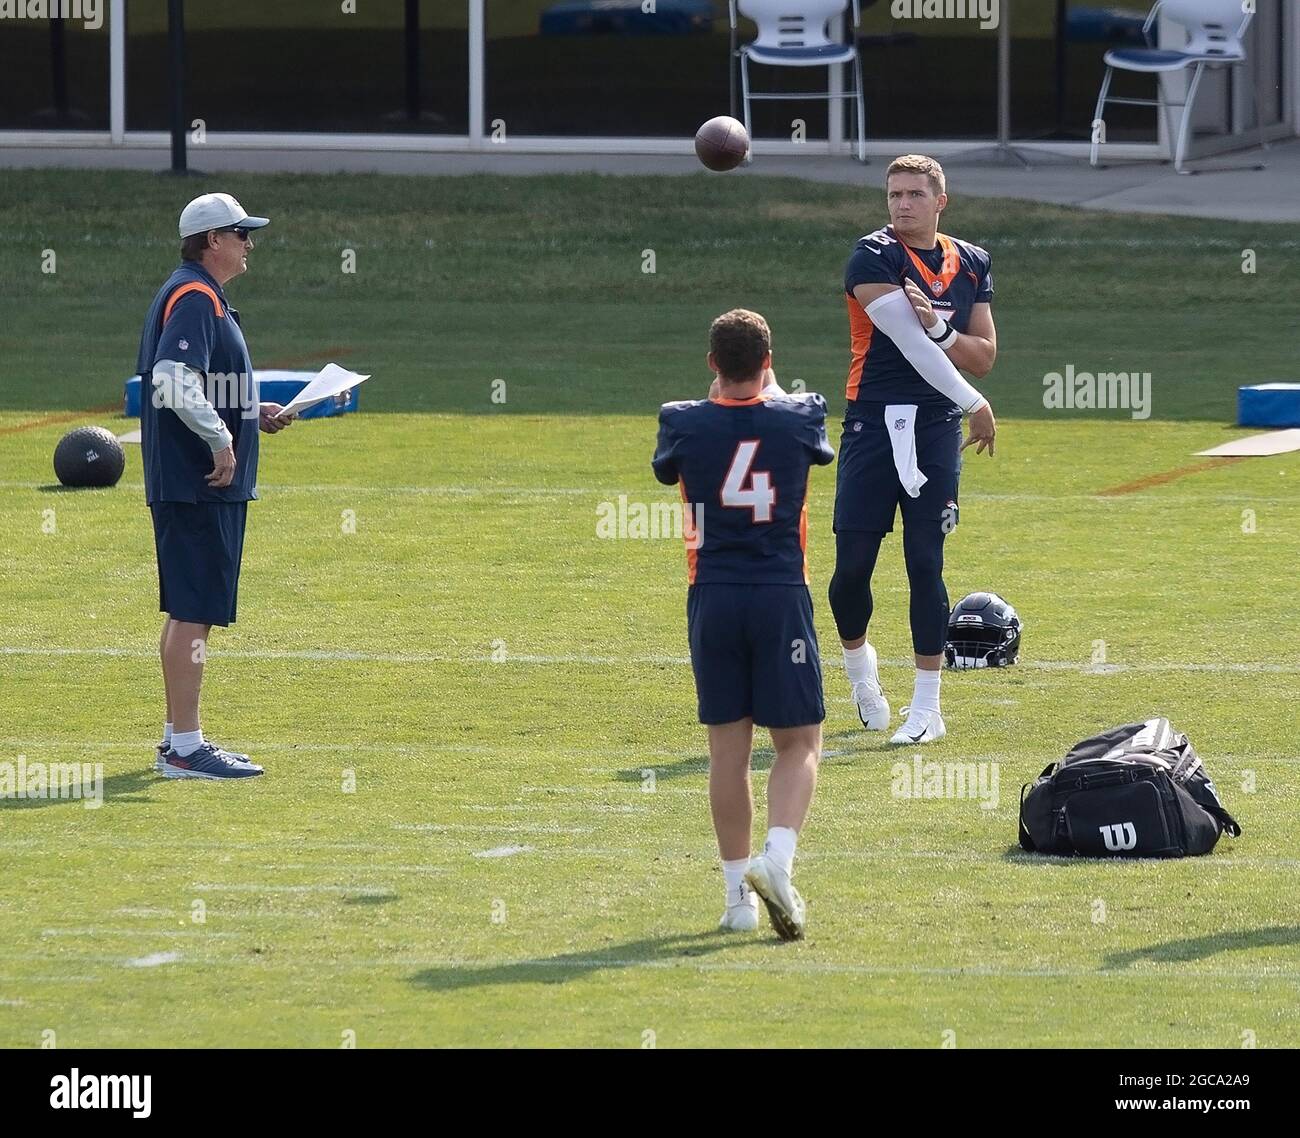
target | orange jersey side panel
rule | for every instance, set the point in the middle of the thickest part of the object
(691, 538)
(860, 332)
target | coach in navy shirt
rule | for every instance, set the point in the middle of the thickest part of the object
(200, 416)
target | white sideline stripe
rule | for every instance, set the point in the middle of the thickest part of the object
(498, 828)
(505, 851)
(102, 932)
(1172, 972)
(1255, 668)
(688, 858)
(648, 493)
(146, 745)
(259, 887)
(154, 960)
(433, 491)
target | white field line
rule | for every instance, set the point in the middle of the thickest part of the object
(147, 745)
(490, 828)
(504, 851)
(108, 932)
(259, 887)
(154, 960)
(580, 659)
(692, 857)
(638, 492)
(1145, 972)
(678, 760)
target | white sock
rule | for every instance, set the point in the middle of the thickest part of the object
(859, 664)
(779, 847)
(187, 742)
(733, 873)
(167, 732)
(925, 695)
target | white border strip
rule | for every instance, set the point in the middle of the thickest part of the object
(421, 658)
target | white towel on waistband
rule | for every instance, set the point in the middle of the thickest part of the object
(900, 418)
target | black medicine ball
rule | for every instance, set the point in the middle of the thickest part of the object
(89, 456)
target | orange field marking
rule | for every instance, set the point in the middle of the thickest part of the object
(1168, 476)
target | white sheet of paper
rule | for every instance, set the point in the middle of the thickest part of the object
(331, 380)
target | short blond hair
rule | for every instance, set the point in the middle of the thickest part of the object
(919, 164)
(739, 341)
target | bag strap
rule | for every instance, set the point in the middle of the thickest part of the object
(1026, 841)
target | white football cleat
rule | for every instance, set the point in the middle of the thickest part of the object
(920, 727)
(784, 905)
(873, 707)
(742, 917)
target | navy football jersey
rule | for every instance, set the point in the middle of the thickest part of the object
(191, 321)
(955, 275)
(742, 465)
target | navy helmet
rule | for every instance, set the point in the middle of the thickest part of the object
(983, 632)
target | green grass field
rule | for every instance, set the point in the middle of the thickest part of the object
(457, 842)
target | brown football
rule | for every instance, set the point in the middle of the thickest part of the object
(721, 143)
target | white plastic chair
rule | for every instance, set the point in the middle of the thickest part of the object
(792, 33)
(1215, 28)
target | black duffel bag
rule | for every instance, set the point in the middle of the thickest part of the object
(1134, 791)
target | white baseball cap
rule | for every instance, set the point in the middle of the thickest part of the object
(216, 211)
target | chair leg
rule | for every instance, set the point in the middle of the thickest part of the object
(1097, 119)
(1259, 121)
(862, 111)
(744, 98)
(1185, 127)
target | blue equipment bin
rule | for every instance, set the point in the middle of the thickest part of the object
(274, 386)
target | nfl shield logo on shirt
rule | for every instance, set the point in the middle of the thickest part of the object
(936, 287)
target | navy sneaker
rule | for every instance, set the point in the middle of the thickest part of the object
(163, 746)
(207, 761)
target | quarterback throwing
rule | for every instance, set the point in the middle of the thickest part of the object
(919, 307)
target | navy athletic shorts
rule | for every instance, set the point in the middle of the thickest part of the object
(754, 654)
(867, 491)
(200, 546)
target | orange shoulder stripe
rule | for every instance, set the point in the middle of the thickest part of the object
(192, 286)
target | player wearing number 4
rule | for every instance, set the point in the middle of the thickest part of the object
(919, 309)
(741, 459)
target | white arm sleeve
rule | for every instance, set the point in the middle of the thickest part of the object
(180, 389)
(894, 315)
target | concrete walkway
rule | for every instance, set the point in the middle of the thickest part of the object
(1240, 194)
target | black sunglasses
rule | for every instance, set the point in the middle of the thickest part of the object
(238, 230)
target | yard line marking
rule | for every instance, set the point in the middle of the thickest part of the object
(499, 828)
(103, 932)
(504, 851)
(154, 960)
(694, 855)
(599, 494)
(583, 660)
(1174, 971)
(258, 887)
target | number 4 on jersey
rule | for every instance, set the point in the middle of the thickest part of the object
(758, 496)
